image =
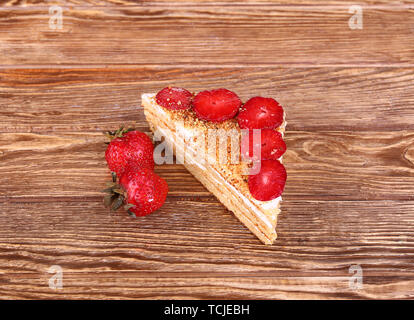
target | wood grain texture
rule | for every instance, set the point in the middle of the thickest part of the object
(147, 285)
(197, 242)
(320, 165)
(349, 198)
(202, 236)
(205, 35)
(362, 99)
(94, 3)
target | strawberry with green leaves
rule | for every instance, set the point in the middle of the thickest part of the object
(139, 190)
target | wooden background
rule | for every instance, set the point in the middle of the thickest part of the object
(349, 98)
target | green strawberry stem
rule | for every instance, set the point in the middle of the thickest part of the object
(115, 196)
(118, 133)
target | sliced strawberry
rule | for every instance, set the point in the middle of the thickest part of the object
(271, 146)
(174, 98)
(260, 113)
(216, 105)
(269, 183)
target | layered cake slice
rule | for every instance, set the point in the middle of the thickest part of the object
(216, 137)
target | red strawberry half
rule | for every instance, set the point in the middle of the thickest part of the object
(129, 146)
(260, 113)
(216, 105)
(271, 146)
(174, 98)
(269, 183)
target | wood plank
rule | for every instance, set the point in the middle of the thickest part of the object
(320, 165)
(136, 285)
(200, 250)
(359, 232)
(62, 100)
(94, 3)
(207, 35)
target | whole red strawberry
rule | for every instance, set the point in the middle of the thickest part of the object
(260, 113)
(129, 146)
(145, 190)
(271, 146)
(269, 183)
(140, 191)
(174, 98)
(216, 105)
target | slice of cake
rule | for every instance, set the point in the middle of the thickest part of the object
(190, 125)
